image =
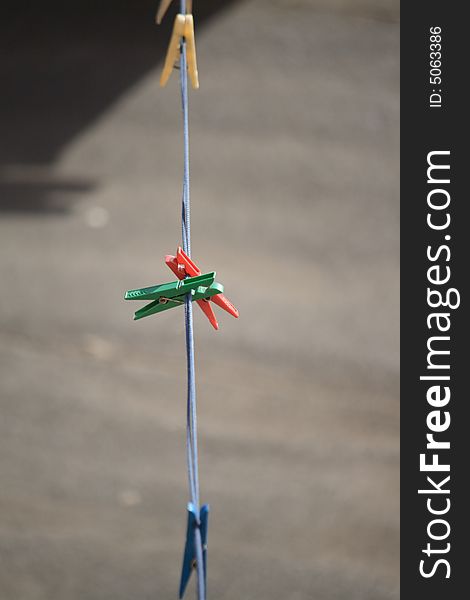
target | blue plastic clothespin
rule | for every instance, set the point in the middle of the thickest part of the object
(189, 558)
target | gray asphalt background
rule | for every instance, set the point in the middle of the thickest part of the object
(294, 137)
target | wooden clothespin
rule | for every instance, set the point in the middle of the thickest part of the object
(182, 28)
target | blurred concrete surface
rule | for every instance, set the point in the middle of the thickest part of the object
(294, 137)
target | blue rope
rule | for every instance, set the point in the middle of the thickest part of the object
(191, 412)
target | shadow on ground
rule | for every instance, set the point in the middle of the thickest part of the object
(63, 64)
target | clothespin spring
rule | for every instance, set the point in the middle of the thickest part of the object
(165, 300)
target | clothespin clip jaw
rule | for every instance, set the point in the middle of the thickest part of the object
(165, 5)
(171, 295)
(182, 266)
(189, 557)
(183, 27)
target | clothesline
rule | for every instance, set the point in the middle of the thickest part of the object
(191, 424)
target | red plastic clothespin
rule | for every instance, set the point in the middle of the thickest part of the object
(182, 266)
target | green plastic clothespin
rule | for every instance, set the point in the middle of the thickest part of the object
(171, 295)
